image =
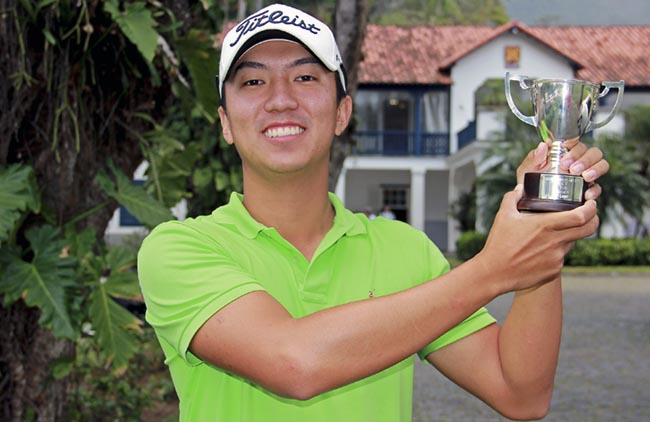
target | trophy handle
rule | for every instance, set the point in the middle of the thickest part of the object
(522, 83)
(608, 85)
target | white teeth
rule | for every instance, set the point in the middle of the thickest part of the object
(277, 132)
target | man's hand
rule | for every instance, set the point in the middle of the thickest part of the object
(528, 249)
(579, 160)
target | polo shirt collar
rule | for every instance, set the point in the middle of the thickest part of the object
(235, 214)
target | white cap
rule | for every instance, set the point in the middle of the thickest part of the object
(280, 22)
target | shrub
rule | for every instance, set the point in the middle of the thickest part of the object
(589, 252)
(469, 244)
(642, 252)
(99, 394)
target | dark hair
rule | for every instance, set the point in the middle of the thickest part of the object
(340, 91)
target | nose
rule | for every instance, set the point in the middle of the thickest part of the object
(281, 96)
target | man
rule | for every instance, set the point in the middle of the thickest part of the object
(284, 306)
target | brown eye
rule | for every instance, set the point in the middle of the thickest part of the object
(306, 78)
(252, 82)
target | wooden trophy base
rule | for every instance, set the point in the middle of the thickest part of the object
(549, 192)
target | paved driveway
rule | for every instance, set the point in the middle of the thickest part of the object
(604, 368)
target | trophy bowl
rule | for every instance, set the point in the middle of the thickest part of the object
(563, 110)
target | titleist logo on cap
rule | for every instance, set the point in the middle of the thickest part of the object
(276, 17)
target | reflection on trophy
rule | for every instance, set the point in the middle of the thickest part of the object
(563, 110)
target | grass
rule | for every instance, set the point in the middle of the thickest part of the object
(627, 269)
(595, 269)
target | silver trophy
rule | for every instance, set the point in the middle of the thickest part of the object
(563, 110)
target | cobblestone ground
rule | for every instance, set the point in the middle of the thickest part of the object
(604, 369)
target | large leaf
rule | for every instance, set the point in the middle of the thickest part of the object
(123, 281)
(173, 173)
(135, 199)
(114, 327)
(137, 24)
(202, 61)
(43, 281)
(18, 192)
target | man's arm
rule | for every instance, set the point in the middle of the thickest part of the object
(512, 368)
(255, 337)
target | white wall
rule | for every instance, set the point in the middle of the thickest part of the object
(363, 187)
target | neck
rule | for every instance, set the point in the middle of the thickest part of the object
(298, 207)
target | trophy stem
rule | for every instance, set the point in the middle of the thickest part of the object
(555, 155)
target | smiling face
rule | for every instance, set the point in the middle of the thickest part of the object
(282, 112)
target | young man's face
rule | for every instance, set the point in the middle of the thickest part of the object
(281, 109)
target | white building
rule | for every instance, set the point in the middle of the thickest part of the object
(419, 130)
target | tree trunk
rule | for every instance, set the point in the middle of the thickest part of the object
(241, 10)
(66, 152)
(350, 21)
(27, 389)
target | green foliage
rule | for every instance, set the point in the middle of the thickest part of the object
(137, 24)
(206, 169)
(502, 158)
(135, 199)
(202, 63)
(625, 190)
(109, 51)
(40, 276)
(94, 89)
(463, 210)
(113, 276)
(99, 394)
(18, 194)
(491, 93)
(469, 244)
(637, 125)
(590, 252)
(438, 12)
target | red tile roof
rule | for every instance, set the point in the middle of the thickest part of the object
(424, 54)
(608, 52)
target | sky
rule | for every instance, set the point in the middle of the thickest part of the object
(579, 12)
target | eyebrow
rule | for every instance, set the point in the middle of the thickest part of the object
(257, 65)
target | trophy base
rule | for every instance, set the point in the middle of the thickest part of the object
(544, 192)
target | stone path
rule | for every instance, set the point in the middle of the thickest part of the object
(604, 369)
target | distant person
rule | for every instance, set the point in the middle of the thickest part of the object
(386, 212)
(285, 306)
(367, 211)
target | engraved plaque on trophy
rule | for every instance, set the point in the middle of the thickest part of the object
(563, 109)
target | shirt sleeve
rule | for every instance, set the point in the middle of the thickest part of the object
(478, 320)
(186, 277)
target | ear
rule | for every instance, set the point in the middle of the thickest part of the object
(225, 126)
(343, 114)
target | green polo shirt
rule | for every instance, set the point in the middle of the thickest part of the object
(189, 270)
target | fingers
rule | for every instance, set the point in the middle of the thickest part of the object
(536, 160)
(564, 220)
(569, 236)
(595, 171)
(593, 192)
(510, 199)
(584, 218)
(587, 162)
